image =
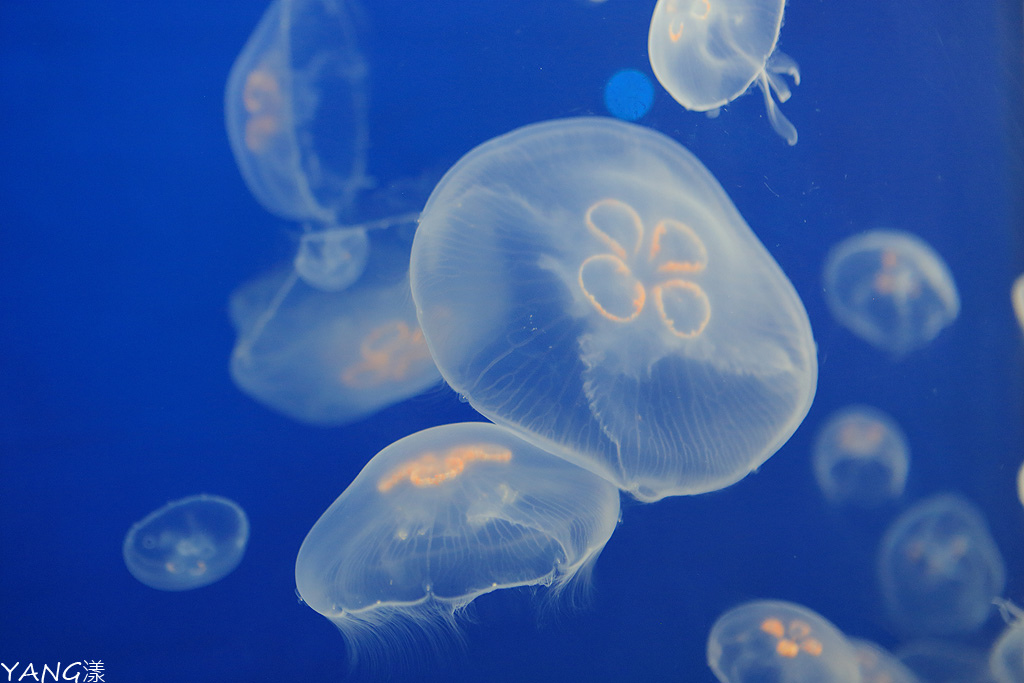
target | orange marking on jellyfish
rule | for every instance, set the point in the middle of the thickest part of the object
(773, 627)
(698, 295)
(431, 469)
(674, 33)
(675, 265)
(639, 297)
(388, 352)
(611, 242)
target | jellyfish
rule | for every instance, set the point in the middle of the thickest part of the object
(188, 543)
(877, 665)
(939, 568)
(1006, 659)
(296, 111)
(330, 358)
(891, 289)
(861, 457)
(706, 53)
(588, 284)
(779, 641)
(441, 517)
(1020, 484)
(1017, 298)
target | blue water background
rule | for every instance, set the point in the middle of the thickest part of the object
(125, 225)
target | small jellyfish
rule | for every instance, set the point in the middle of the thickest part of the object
(861, 457)
(877, 665)
(328, 358)
(1006, 659)
(628, 94)
(588, 283)
(1020, 484)
(773, 640)
(707, 53)
(296, 110)
(939, 568)
(187, 544)
(1017, 299)
(891, 289)
(441, 517)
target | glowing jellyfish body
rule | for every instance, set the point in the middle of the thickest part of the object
(328, 358)
(441, 517)
(877, 665)
(1020, 484)
(1006, 659)
(588, 284)
(939, 568)
(891, 289)
(188, 543)
(772, 640)
(296, 111)
(1017, 299)
(861, 457)
(707, 53)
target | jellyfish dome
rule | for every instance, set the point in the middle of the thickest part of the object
(296, 110)
(707, 53)
(441, 517)
(774, 640)
(588, 283)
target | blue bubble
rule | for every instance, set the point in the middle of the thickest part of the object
(628, 94)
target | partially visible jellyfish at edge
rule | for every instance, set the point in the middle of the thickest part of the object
(567, 278)
(1006, 658)
(1017, 299)
(436, 520)
(187, 544)
(779, 641)
(891, 289)
(707, 53)
(861, 457)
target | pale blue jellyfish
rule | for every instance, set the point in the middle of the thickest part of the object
(891, 289)
(707, 53)
(440, 518)
(861, 457)
(939, 568)
(588, 283)
(773, 640)
(188, 543)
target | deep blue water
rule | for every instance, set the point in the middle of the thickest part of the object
(125, 225)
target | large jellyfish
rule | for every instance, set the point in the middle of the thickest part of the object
(939, 568)
(891, 289)
(330, 358)
(773, 640)
(441, 517)
(587, 283)
(296, 110)
(188, 543)
(707, 53)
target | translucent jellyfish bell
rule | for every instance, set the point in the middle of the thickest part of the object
(296, 110)
(707, 53)
(188, 543)
(441, 517)
(1006, 659)
(772, 640)
(891, 289)
(1017, 299)
(939, 568)
(861, 457)
(332, 259)
(587, 283)
(330, 358)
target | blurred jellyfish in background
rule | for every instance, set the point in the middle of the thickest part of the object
(188, 543)
(441, 517)
(891, 289)
(861, 457)
(588, 283)
(935, 661)
(1020, 484)
(877, 665)
(707, 53)
(628, 94)
(330, 358)
(296, 110)
(1017, 298)
(773, 640)
(1006, 660)
(939, 568)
